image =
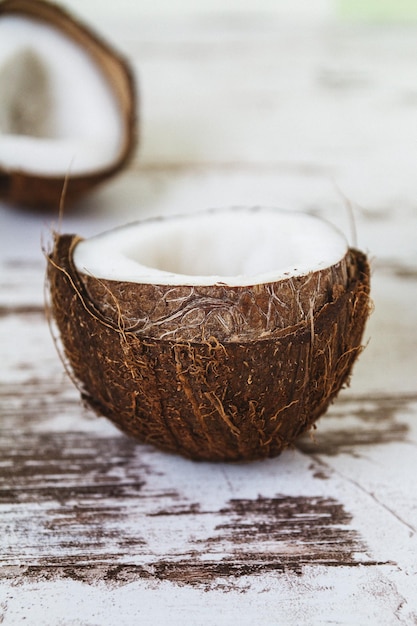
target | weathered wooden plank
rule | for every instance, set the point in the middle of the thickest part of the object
(93, 485)
(279, 600)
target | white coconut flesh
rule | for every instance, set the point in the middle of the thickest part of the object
(235, 248)
(58, 114)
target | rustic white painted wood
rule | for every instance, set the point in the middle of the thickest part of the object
(94, 529)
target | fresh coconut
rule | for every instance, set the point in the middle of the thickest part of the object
(219, 335)
(67, 106)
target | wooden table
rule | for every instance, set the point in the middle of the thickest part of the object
(94, 529)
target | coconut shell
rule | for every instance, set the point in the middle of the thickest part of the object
(43, 191)
(217, 398)
(197, 313)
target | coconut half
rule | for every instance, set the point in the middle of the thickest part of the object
(220, 335)
(67, 107)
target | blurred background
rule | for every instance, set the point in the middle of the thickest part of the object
(362, 9)
(306, 105)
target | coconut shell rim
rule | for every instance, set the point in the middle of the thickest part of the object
(362, 278)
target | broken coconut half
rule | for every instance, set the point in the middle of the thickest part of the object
(67, 106)
(220, 335)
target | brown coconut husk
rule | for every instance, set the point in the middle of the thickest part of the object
(197, 313)
(216, 398)
(43, 191)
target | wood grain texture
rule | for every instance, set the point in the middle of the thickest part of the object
(95, 529)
